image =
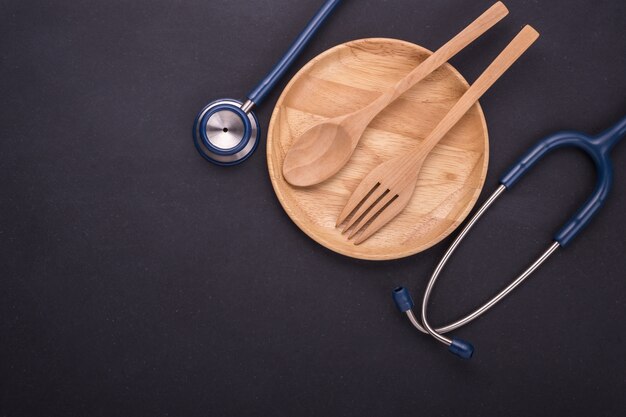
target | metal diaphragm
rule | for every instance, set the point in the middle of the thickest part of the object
(224, 134)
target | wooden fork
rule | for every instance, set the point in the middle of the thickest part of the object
(386, 191)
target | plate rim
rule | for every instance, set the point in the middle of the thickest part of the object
(329, 245)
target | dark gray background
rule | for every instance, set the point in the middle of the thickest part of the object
(137, 279)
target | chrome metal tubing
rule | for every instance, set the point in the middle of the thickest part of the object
(247, 106)
(425, 326)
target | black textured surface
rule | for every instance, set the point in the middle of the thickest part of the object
(138, 280)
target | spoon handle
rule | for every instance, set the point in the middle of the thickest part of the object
(524, 39)
(455, 45)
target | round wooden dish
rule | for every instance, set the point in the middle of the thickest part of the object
(346, 78)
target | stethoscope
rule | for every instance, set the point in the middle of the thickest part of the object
(598, 148)
(226, 132)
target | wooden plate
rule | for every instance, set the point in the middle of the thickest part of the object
(346, 78)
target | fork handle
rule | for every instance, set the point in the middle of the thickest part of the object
(473, 31)
(524, 39)
(455, 45)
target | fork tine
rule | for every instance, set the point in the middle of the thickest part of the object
(389, 212)
(375, 209)
(368, 204)
(362, 192)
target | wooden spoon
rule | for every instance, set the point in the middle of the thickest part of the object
(321, 151)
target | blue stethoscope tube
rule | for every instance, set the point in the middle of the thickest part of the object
(598, 148)
(258, 93)
(228, 141)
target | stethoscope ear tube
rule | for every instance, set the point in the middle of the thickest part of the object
(598, 148)
(459, 347)
(404, 304)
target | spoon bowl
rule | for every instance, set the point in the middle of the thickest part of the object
(324, 149)
(451, 179)
(318, 154)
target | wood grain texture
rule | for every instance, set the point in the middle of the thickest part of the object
(388, 188)
(326, 147)
(348, 77)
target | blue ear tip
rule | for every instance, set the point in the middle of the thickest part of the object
(403, 299)
(461, 348)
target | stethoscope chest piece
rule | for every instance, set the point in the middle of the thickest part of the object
(224, 133)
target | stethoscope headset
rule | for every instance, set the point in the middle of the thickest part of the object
(598, 148)
(226, 131)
